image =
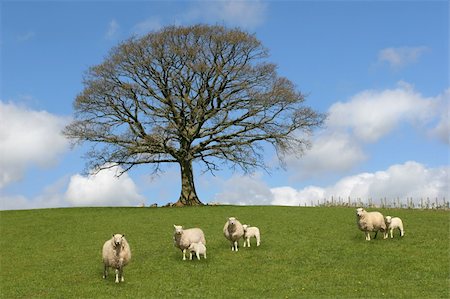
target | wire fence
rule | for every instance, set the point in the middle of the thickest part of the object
(408, 203)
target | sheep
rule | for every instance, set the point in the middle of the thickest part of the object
(233, 231)
(251, 231)
(183, 238)
(116, 254)
(393, 223)
(370, 222)
(197, 248)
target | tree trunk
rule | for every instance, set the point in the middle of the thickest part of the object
(188, 196)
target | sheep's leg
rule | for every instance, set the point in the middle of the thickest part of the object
(232, 245)
(401, 232)
(367, 236)
(245, 242)
(392, 233)
(105, 272)
(184, 254)
(190, 256)
(376, 233)
(198, 255)
(122, 279)
(204, 255)
(236, 245)
(258, 241)
(117, 275)
(248, 242)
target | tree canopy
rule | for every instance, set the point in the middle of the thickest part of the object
(200, 93)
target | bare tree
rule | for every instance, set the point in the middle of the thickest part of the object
(183, 94)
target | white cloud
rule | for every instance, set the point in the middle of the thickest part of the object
(365, 119)
(50, 197)
(28, 138)
(244, 190)
(408, 180)
(148, 25)
(321, 158)
(372, 114)
(103, 189)
(113, 28)
(14, 202)
(247, 14)
(288, 196)
(442, 129)
(400, 57)
(27, 36)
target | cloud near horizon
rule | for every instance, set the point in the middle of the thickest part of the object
(403, 181)
(104, 188)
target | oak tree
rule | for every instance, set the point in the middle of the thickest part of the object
(200, 93)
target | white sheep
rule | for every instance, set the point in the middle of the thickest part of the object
(183, 238)
(251, 231)
(393, 223)
(370, 222)
(116, 254)
(233, 231)
(197, 249)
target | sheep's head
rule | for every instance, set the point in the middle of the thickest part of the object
(117, 240)
(231, 221)
(388, 219)
(360, 212)
(245, 227)
(178, 229)
(192, 246)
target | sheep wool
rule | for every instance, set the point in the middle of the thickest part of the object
(183, 238)
(370, 222)
(116, 254)
(249, 232)
(197, 249)
(393, 223)
(233, 231)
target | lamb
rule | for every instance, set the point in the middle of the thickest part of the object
(233, 231)
(197, 248)
(116, 254)
(393, 223)
(183, 238)
(251, 231)
(370, 222)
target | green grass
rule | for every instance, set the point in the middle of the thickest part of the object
(304, 253)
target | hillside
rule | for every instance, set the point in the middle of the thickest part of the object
(304, 252)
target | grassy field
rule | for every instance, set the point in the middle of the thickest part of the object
(304, 253)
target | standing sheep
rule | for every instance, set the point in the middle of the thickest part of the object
(393, 223)
(370, 222)
(251, 231)
(183, 238)
(233, 231)
(197, 248)
(116, 254)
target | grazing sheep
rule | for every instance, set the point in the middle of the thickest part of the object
(233, 231)
(370, 222)
(251, 231)
(116, 254)
(183, 238)
(393, 223)
(197, 248)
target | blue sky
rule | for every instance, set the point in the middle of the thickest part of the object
(380, 69)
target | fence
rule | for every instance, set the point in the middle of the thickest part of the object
(408, 203)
